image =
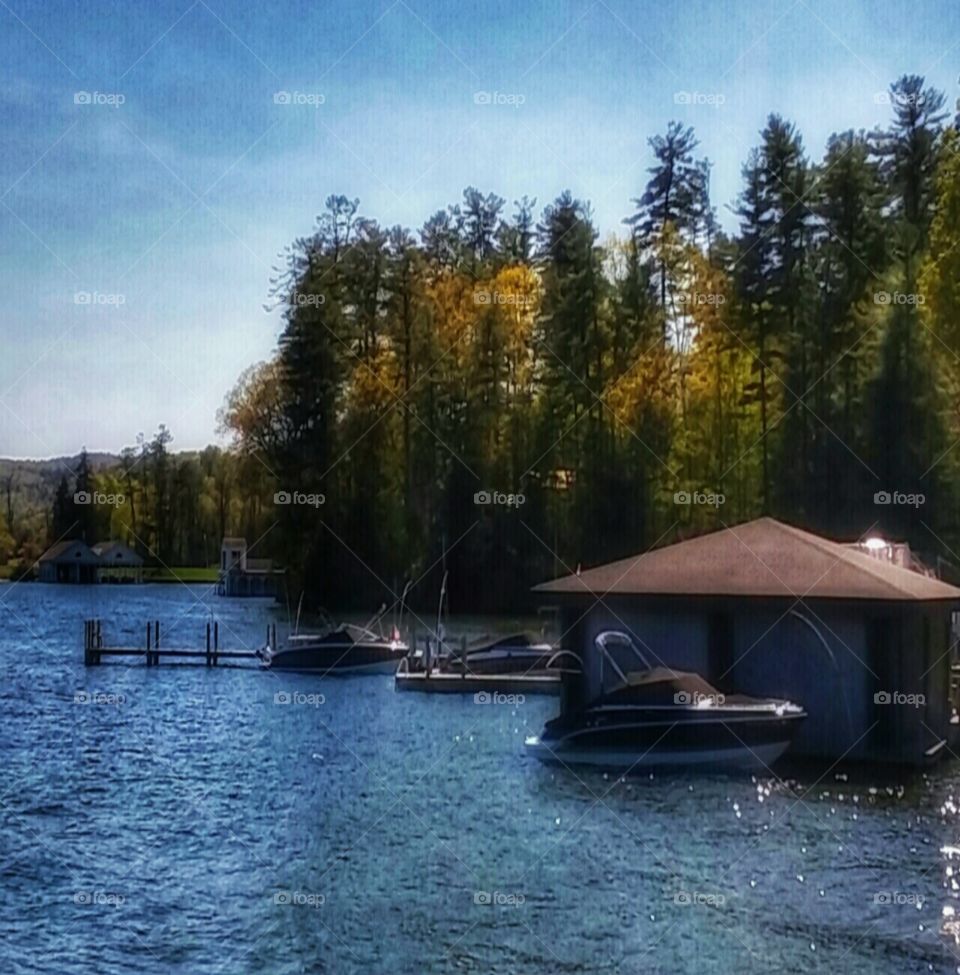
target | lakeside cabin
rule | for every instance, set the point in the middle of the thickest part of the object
(73, 561)
(865, 644)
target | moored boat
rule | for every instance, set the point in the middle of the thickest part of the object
(519, 653)
(663, 717)
(339, 648)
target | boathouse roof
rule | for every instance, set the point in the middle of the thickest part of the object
(117, 554)
(761, 558)
(70, 550)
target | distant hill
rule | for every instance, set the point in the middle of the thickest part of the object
(33, 483)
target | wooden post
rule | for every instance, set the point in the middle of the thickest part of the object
(209, 660)
(96, 655)
(463, 656)
(87, 658)
(149, 655)
(216, 640)
(156, 643)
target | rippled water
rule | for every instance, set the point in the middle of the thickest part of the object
(188, 823)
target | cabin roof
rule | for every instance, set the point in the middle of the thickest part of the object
(234, 541)
(761, 558)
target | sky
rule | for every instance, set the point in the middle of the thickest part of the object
(158, 157)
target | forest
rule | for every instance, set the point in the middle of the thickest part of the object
(505, 396)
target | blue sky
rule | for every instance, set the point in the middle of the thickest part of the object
(167, 196)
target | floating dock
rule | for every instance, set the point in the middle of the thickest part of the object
(211, 655)
(440, 682)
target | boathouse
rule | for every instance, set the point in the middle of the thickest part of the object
(866, 645)
(75, 561)
(242, 576)
(118, 563)
(68, 561)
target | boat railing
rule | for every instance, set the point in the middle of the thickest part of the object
(603, 641)
(564, 653)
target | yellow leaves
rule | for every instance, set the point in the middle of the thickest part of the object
(939, 279)
(253, 405)
(646, 390)
(514, 298)
(375, 383)
(452, 300)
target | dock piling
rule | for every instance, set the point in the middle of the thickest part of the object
(94, 649)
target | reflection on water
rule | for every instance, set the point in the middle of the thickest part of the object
(181, 820)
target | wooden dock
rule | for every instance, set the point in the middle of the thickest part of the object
(444, 682)
(211, 655)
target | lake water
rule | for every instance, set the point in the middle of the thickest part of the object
(183, 821)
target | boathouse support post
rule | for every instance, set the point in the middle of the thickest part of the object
(209, 660)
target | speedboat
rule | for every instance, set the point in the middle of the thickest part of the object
(338, 648)
(663, 717)
(519, 653)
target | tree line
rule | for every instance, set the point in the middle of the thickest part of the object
(664, 381)
(504, 396)
(172, 508)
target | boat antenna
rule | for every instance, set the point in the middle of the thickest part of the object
(403, 604)
(299, 608)
(376, 618)
(443, 596)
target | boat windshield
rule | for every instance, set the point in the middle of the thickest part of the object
(662, 686)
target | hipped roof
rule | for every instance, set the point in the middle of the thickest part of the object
(761, 558)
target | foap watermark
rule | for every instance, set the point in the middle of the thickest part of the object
(498, 898)
(109, 298)
(899, 98)
(899, 697)
(98, 898)
(702, 298)
(298, 697)
(514, 99)
(303, 300)
(699, 898)
(99, 498)
(99, 697)
(897, 897)
(299, 898)
(313, 98)
(699, 497)
(481, 297)
(498, 497)
(299, 497)
(698, 700)
(113, 99)
(495, 697)
(898, 298)
(899, 498)
(712, 98)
